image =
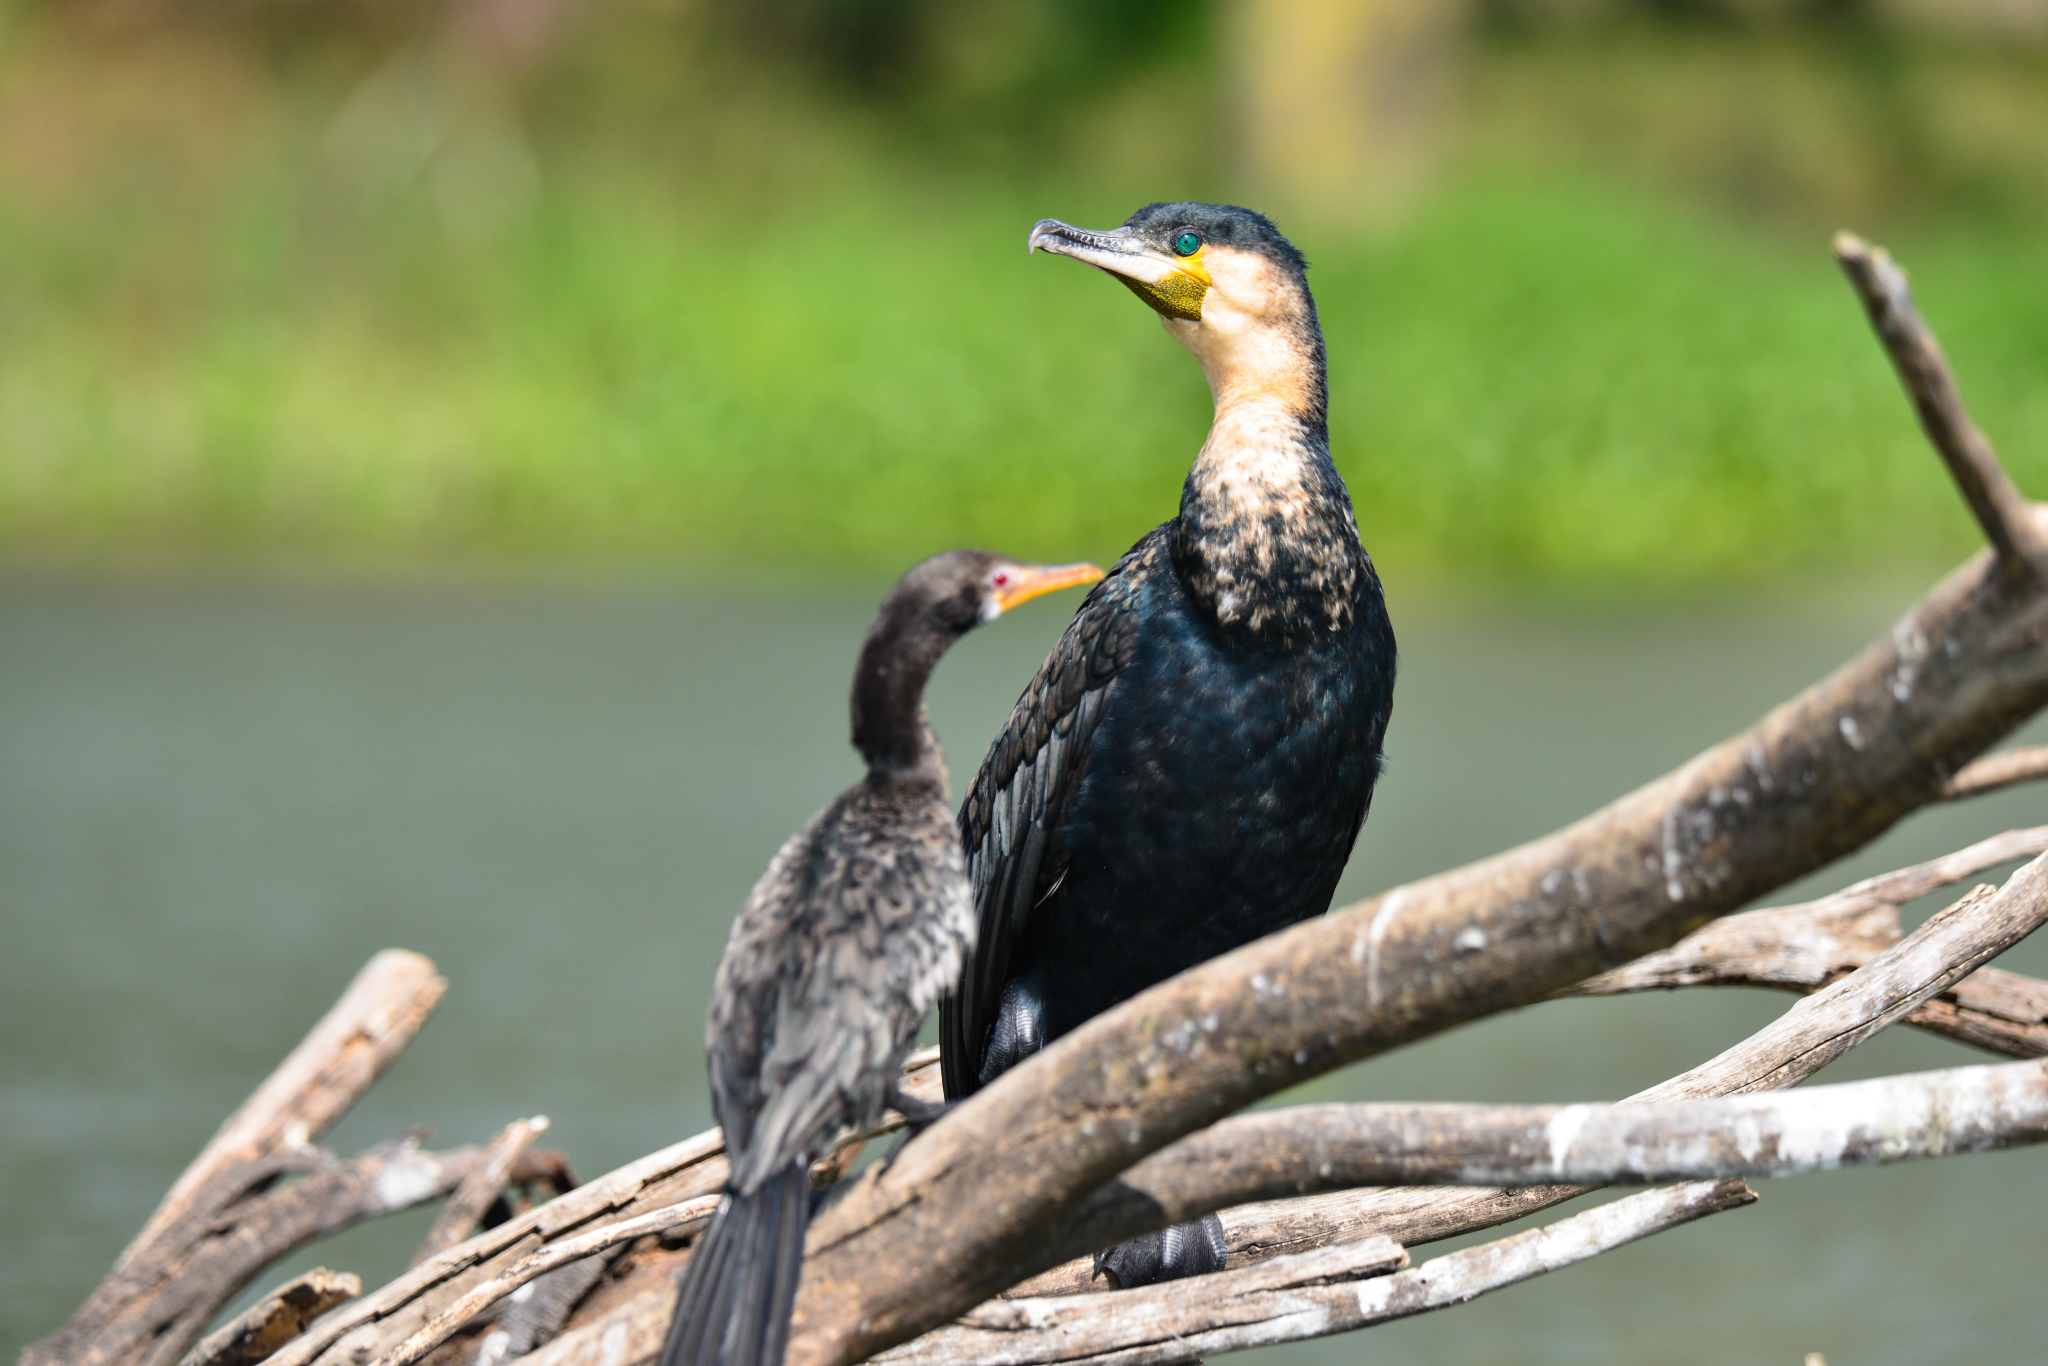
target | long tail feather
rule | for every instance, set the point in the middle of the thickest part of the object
(738, 1290)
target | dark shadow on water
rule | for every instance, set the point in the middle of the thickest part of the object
(216, 803)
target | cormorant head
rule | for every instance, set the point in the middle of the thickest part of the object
(960, 589)
(1222, 279)
(935, 603)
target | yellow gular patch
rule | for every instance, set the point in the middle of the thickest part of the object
(1179, 295)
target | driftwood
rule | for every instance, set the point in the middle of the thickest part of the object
(1994, 771)
(1181, 1180)
(1124, 1125)
(1780, 1133)
(1803, 948)
(1294, 1314)
(275, 1319)
(187, 1262)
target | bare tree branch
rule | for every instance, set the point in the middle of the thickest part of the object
(1082, 1322)
(1805, 947)
(2007, 520)
(487, 1292)
(180, 1269)
(2026, 764)
(203, 1261)
(346, 1051)
(1309, 1148)
(459, 1216)
(275, 1319)
(379, 1322)
(1208, 1170)
(1220, 1317)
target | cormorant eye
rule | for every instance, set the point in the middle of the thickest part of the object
(999, 579)
(1187, 244)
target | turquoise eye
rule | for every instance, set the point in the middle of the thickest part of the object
(1187, 244)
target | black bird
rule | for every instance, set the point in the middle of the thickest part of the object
(861, 920)
(1191, 766)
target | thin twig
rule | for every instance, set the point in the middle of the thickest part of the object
(459, 1216)
(1807, 946)
(2008, 520)
(488, 1292)
(2027, 764)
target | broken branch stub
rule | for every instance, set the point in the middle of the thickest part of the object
(1996, 501)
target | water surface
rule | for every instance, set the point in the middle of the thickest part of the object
(216, 802)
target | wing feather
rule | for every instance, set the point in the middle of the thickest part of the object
(1020, 798)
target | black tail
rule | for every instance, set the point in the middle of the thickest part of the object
(740, 1285)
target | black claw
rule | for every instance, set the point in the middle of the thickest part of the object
(1172, 1254)
(918, 1115)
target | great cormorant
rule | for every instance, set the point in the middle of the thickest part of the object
(862, 918)
(1191, 766)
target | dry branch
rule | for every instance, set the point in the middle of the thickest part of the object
(346, 1051)
(2000, 509)
(1073, 1324)
(1206, 1171)
(2027, 764)
(1805, 947)
(208, 1258)
(206, 1240)
(1261, 1319)
(275, 1319)
(459, 1216)
(1311, 1148)
(378, 1323)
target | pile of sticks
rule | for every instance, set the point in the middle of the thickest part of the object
(956, 1252)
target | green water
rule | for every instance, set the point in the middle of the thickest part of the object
(217, 801)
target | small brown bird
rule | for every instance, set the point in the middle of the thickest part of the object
(863, 918)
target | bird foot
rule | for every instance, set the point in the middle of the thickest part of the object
(1182, 1250)
(918, 1115)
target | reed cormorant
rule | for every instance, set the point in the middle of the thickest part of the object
(1191, 766)
(861, 920)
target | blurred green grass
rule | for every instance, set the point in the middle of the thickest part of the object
(776, 342)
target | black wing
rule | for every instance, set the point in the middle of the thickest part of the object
(1010, 821)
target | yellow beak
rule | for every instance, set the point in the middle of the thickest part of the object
(1028, 581)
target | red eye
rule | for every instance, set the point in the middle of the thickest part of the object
(1000, 579)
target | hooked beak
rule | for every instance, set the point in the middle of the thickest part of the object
(1172, 285)
(1036, 580)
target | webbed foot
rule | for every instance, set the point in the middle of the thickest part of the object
(1193, 1249)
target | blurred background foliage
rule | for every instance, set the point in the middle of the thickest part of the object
(740, 287)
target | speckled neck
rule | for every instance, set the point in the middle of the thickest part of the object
(1266, 540)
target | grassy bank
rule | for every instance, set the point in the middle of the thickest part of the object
(729, 351)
